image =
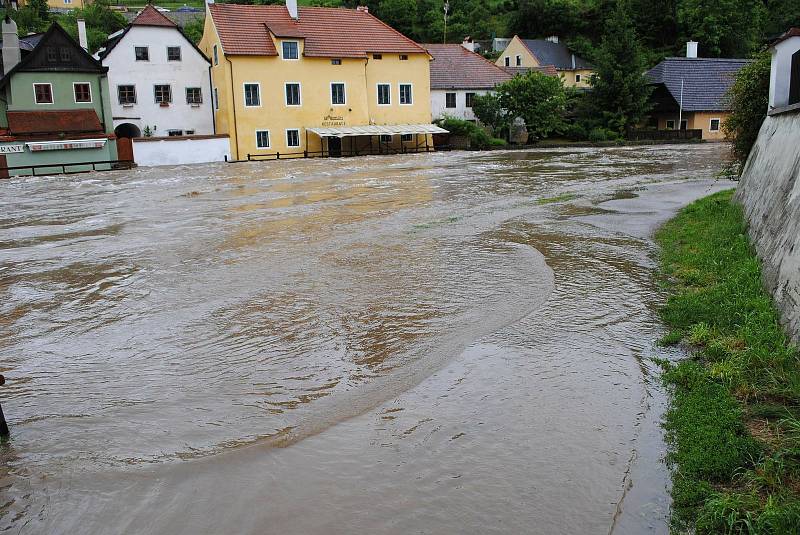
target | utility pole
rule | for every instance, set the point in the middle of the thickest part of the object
(446, 11)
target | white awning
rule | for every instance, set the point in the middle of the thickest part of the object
(38, 146)
(377, 130)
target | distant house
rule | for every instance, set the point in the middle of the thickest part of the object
(527, 53)
(62, 5)
(691, 93)
(457, 75)
(54, 104)
(784, 87)
(159, 79)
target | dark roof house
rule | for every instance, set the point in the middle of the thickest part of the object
(705, 82)
(455, 67)
(557, 54)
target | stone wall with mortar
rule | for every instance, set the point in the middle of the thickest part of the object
(770, 194)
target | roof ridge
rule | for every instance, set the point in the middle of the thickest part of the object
(149, 10)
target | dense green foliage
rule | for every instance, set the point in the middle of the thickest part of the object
(733, 424)
(749, 99)
(194, 29)
(478, 137)
(540, 100)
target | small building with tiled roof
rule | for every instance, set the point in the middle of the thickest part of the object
(315, 81)
(457, 75)
(160, 81)
(691, 93)
(528, 53)
(784, 83)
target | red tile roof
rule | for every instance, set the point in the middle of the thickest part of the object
(328, 32)
(455, 67)
(150, 16)
(54, 121)
(791, 32)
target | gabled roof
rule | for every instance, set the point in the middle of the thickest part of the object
(556, 54)
(327, 32)
(788, 34)
(455, 67)
(150, 16)
(706, 81)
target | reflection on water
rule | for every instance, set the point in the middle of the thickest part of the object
(432, 346)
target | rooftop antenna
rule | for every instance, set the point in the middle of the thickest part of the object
(446, 11)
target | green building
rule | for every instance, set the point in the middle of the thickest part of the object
(55, 110)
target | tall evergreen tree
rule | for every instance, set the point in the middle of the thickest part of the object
(620, 89)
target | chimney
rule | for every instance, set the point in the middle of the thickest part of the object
(11, 53)
(291, 5)
(82, 40)
(365, 9)
(469, 44)
(691, 49)
(552, 39)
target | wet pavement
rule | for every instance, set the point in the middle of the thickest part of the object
(443, 343)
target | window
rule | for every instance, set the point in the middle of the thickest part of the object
(407, 137)
(405, 94)
(508, 61)
(449, 100)
(470, 99)
(377, 56)
(52, 56)
(338, 97)
(403, 57)
(670, 124)
(43, 93)
(336, 62)
(173, 53)
(126, 94)
(194, 95)
(714, 126)
(216, 98)
(173, 133)
(190, 132)
(293, 138)
(577, 78)
(142, 53)
(262, 139)
(519, 61)
(83, 92)
(384, 94)
(290, 50)
(386, 138)
(216, 55)
(65, 53)
(252, 95)
(292, 94)
(163, 94)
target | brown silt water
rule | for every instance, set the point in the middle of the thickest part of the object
(441, 343)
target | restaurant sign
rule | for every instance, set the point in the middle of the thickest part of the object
(10, 149)
(333, 120)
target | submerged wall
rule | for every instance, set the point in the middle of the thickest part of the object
(770, 193)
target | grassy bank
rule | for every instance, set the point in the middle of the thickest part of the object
(734, 423)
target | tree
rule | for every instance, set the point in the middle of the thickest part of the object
(194, 29)
(749, 99)
(399, 14)
(537, 98)
(724, 28)
(488, 110)
(100, 22)
(621, 93)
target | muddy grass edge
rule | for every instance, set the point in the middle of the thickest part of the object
(733, 425)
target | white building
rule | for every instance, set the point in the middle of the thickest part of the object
(457, 75)
(784, 83)
(159, 80)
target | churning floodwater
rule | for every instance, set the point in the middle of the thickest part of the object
(442, 343)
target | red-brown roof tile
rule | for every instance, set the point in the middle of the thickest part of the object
(791, 32)
(66, 121)
(328, 32)
(455, 67)
(150, 16)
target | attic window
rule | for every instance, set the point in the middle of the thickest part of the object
(52, 57)
(65, 53)
(377, 56)
(336, 62)
(290, 50)
(403, 57)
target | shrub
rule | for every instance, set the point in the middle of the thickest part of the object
(749, 99)
(598, 135)
(478, 137)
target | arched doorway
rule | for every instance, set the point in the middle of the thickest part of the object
(125, 132)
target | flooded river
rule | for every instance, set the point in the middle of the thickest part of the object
(443, 343)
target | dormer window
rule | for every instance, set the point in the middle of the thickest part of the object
(290, 50)
(377, 56)
(403, 57)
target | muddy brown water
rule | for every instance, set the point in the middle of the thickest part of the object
(444, 343)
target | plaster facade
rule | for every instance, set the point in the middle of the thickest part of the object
(781, 71)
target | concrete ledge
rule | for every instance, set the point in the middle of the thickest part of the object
(784, 109)
(180, 138)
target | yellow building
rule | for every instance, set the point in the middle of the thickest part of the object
(529, 53)
(320, 81)
(63, 4)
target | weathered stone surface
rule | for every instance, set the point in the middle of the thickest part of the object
(770, 194)
(518, 134)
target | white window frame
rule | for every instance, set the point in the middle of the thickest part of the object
(455, 100)
(467, 103)
(400, 93)
(299, 94)
(297, 43)
(344, 87)
(378, 93)
(52, 95)
(507, 61)
(577, 78)
(171, 94)
(667, 126)
(298, 138)
(186, 95)
(719, 124)
(91, 95)
(146, 47)
(269, 138)
(180, 53)
(135, 95)
(518, 60)
(244, 94)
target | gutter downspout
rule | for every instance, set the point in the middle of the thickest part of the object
(233, 98)
(213, 101)
(102, 103)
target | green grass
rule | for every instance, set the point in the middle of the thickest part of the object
(733, 425)
(559, 198)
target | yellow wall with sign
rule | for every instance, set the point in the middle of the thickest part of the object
(361, 77)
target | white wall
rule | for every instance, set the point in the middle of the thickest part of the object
(190, 71)
(438, 103)
(780, 73)
(150, 152)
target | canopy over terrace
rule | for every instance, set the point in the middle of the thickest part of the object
(332, 137)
